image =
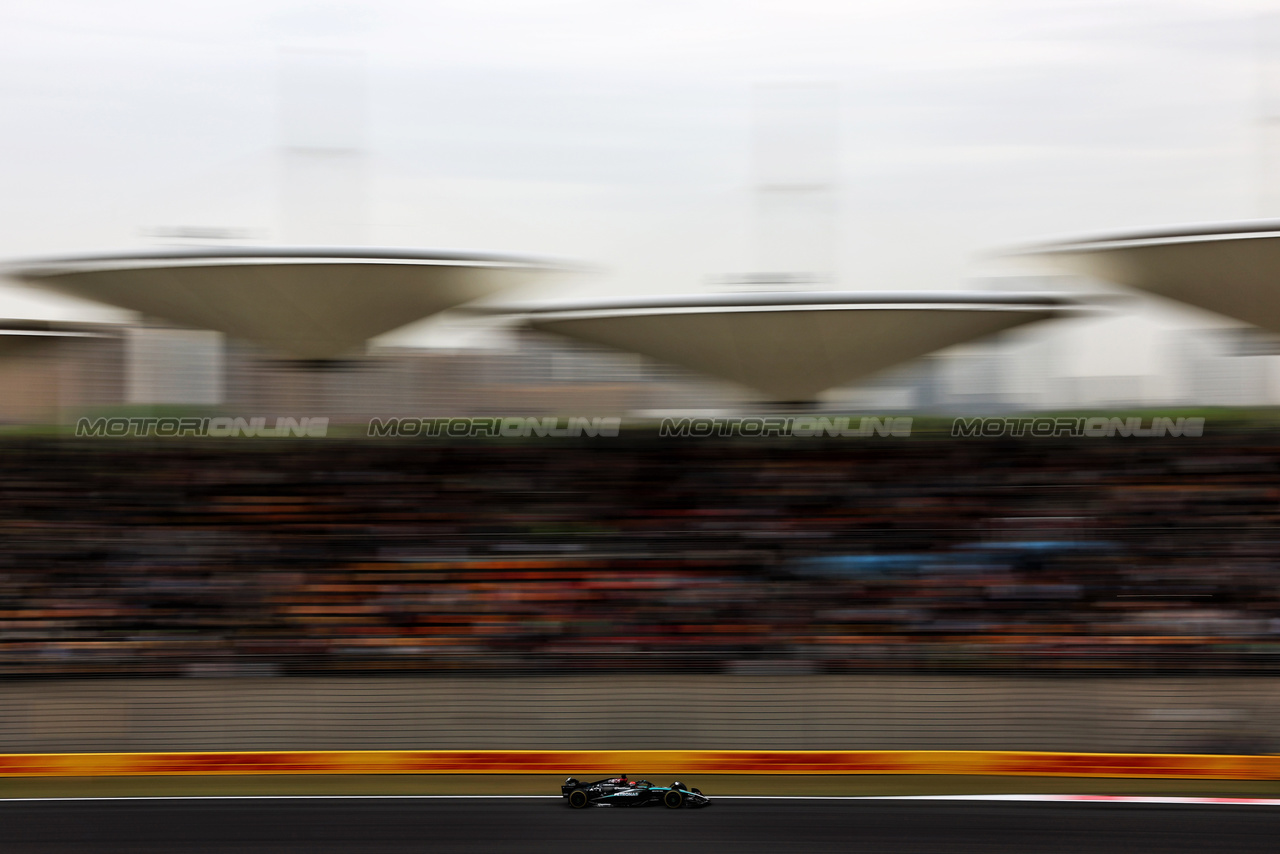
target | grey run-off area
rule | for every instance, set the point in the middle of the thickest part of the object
(535, 826)
(796, 712)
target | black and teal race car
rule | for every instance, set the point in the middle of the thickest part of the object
(621, 792)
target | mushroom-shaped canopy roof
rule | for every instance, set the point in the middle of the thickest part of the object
(1229, 268)
(795, 345)
(306, 302)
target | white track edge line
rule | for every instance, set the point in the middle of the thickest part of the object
(4, 800)
(1056, 798)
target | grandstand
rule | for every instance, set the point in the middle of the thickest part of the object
(693, 554)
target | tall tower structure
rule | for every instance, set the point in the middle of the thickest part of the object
(796, 164)
(1268, 116)
(322, 140)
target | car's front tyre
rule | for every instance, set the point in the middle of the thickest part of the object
(673, 799)
(578, 799)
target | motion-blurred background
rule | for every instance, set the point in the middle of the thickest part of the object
(639, 211)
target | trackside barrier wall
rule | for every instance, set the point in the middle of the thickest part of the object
(721, 712)
(998, 763)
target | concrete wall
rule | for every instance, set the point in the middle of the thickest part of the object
(725, 712)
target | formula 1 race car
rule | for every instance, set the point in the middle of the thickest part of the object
(621, 792)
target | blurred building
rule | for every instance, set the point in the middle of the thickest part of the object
(529, 373)
(47, 368)
(149, 366)
(1228, 367)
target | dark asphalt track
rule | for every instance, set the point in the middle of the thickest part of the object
(374, 826)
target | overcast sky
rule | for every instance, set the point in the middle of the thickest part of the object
(620, 133)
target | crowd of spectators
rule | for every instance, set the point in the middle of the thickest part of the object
(244, 557)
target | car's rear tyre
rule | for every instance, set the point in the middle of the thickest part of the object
(673, 799)
(578, 799)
